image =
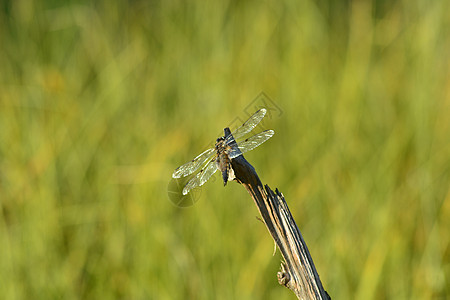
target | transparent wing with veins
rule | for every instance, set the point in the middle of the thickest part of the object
(234, 151)
(201, 177)
(250, 143)
(190, 167)
(248, 125)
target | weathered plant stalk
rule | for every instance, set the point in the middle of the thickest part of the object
(298, 272)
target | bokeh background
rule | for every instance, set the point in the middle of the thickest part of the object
(100, 101)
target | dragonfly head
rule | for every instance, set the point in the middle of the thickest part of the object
(219, 143)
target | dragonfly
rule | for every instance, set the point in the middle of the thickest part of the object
(219, 157)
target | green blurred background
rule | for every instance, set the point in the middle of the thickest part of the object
(101, 101)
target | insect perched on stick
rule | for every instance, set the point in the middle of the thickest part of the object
(225, 149)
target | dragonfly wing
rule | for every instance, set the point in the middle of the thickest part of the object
(250, 143)
(190, 167)
(249, 124)
(201, 177)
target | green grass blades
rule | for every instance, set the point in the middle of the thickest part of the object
(101, 101)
